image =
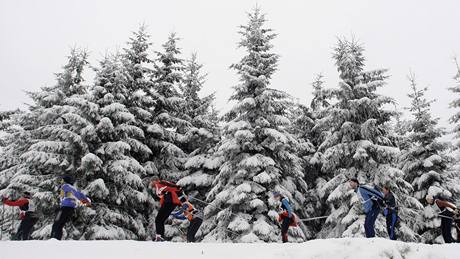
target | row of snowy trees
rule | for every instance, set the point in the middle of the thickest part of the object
(144, 116)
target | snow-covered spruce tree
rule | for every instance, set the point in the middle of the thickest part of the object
(14, 140)
(303, 121)
(399, 129)
(53, 147)
(358, 146)
(141, 104)
(199, 110)
(424, 164)
(455, 153)
(203, 136)
(139, 72)
(170, 122)
(13, 143)
(113, 175)
(455, 119)
(319, 100)
(259, 153)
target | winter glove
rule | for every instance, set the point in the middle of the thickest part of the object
(86, 202)
(457, 212)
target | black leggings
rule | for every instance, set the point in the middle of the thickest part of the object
(193, 228)
(26, 226)
(62, 217)
(284, 229)
(446, 229)
(162, 216)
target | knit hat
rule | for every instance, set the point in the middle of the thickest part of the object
(355, 180)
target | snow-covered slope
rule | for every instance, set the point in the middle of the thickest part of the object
(323, 248)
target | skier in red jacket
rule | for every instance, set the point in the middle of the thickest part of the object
(169, 199)
(26, 214)
(447, 212)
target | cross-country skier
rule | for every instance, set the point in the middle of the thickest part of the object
(390, 211)
(26, 214)
(447, 212)
(194, 216)
(370, 198)
(286, 217)
(169, 199)
(70, 197)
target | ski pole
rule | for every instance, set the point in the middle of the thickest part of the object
(3, 221)
(447, 217)
(314, 218)
(12, 223)
(217, 207)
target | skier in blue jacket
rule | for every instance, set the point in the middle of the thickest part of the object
(194, 216)
(370, 198)
(70, 198)
(286, 217)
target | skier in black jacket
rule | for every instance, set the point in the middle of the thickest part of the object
(390, 211)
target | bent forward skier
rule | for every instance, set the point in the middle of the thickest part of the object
(169, 199)
(195, 217)
(370, 199)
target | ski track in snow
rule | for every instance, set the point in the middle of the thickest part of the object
(353, 248)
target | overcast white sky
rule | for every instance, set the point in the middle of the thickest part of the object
(418, 35)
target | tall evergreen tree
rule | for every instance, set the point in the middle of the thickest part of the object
(424, 163)
(169, 120)
(455, 119)
(14, 141)
(49, 145)
(358, 146)
(259, 153)
(319, 100)
(114, 176)
(201, 139)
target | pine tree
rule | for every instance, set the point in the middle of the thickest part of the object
(201, 139)
(113, 175)
(358, 146)
(139, 72)
(14, 141)
(49, 145)
(424, 164)
(399, 129)
(259, 153)
(169, 120)
(303, 121)
(319, 101)
(455, 119)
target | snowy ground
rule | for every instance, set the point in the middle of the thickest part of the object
(326, 248)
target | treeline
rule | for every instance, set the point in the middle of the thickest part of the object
(144, 116)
